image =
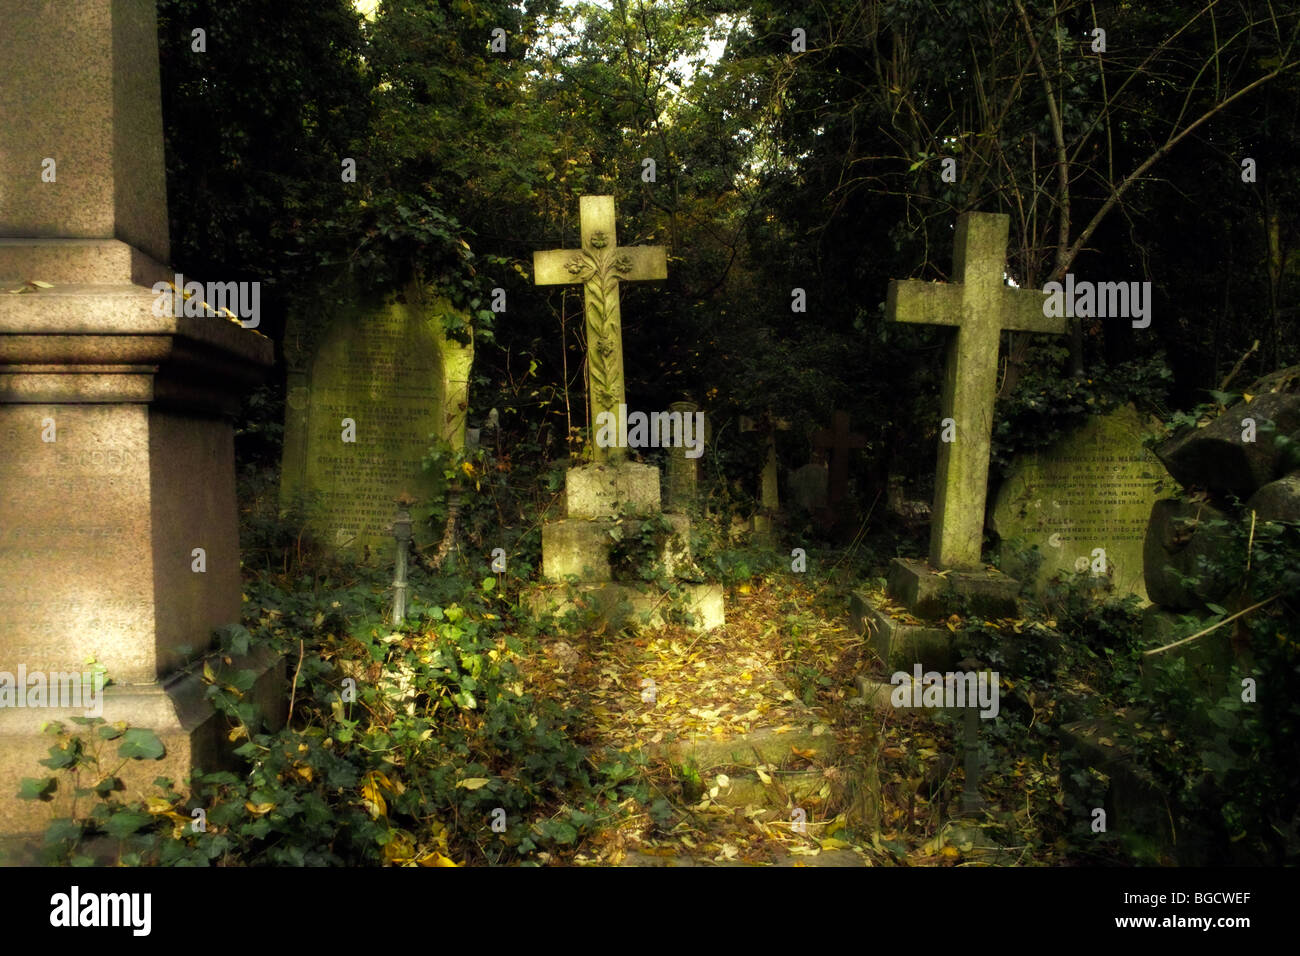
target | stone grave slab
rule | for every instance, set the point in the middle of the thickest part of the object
(1092, 489)
(389, 368)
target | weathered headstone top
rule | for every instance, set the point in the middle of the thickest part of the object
(82, 153)
(1084, 502)
(683, 472)
(978, 306)
(599, 265)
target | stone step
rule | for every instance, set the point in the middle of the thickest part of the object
(763, 746)
(748, 790)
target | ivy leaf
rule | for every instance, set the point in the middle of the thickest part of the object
(122, 825)
(63, 829)
(34, 788)
(141, 744)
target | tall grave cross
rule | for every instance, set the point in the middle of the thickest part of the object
(600, 265)
(840, 441)
(978, 307)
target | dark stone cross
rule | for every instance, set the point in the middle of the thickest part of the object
(840, 441)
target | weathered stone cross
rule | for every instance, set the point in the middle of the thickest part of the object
(600, 265)
(979, 307)
(840, 441)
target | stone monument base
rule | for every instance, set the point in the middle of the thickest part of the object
(905, 623)
(620, 604)
(602, 504)
(580, 547)
(176, 710)
(932, 594)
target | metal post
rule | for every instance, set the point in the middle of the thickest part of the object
(402, 535)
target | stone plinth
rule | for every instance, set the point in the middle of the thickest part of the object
(898, 641)
(118, 466)
(101, 522)
(177, 710)
(577, 547)
(905, 625)
(573, 547)
(601, 491)
(606, 503)
(928, 593)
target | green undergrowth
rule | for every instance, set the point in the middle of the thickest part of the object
(1213, 725)
(421, 744)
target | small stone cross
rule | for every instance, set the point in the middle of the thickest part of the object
(840, 441)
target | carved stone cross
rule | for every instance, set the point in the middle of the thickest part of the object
(599, 265)
(978, 307)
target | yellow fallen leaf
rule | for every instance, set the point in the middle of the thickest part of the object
(158, 805)
(950, 853)
(371, 796)
(436, 859)
(744, 589)
(258, 809)
(474, 783)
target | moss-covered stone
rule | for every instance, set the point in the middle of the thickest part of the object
(1092, 489)
(391, 368)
